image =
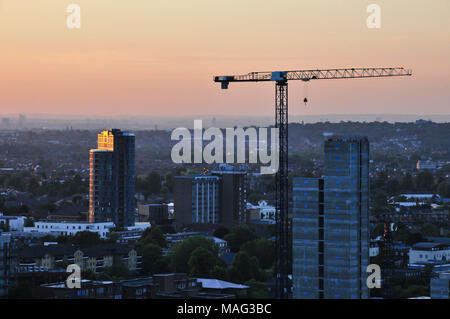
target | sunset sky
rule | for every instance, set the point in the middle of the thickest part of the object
(158, 57)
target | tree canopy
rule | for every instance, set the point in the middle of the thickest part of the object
(238, 236)
(181, 252)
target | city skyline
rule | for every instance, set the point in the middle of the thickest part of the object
(160, 60)
(184, 150)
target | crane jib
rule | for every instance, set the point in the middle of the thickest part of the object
(306, 75)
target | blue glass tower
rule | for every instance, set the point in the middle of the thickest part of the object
(331, 225)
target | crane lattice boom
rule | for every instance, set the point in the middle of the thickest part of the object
(306, 75)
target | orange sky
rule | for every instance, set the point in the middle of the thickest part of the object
(158, 57)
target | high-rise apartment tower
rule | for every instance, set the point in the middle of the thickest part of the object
(111, 180)
(331, 225)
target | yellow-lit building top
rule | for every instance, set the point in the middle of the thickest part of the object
(105, 141)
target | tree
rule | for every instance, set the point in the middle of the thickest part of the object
(164, 190)
(407, 183)
(263, 249)
(414, 238)
(161, 265)
(167, 229)
(151, 253)
(21, 291)
(112, 237)
(154, 182)
(86, 239)
(118, 271)
(4, 227)
(28, 222)
(392, 186)
(255, 196)
(258, 290)
(234, 275)
(443, 189)
(23, 210)
(378, 230)
(380, 180)
(153, 235)
(379, 199)
(141, 186)
(169, 181)
(430, 230)
(245, 268)
(201, 262)
(424, 181)
(49, 238)
(219, 272)
(88, 274)
(33, 185)
(221, 231)
(416, 291)
(238, 236)
(181, 252)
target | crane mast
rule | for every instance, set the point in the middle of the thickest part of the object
(281, 78)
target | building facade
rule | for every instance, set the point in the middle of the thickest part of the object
(217, 198)
(5, 264)
(156, 214)
(70, 228)
(425, 253)
(111, 181)
(331, 225)
(158, 286)
(96, 258)
(196, 200)
(12, 223)
(440, 286)
(233, 195)
(260, 212)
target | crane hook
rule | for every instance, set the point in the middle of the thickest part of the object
(305, 91)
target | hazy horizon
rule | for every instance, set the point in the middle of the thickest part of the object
(135, 123)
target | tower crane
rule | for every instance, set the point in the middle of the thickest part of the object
(281, 79)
